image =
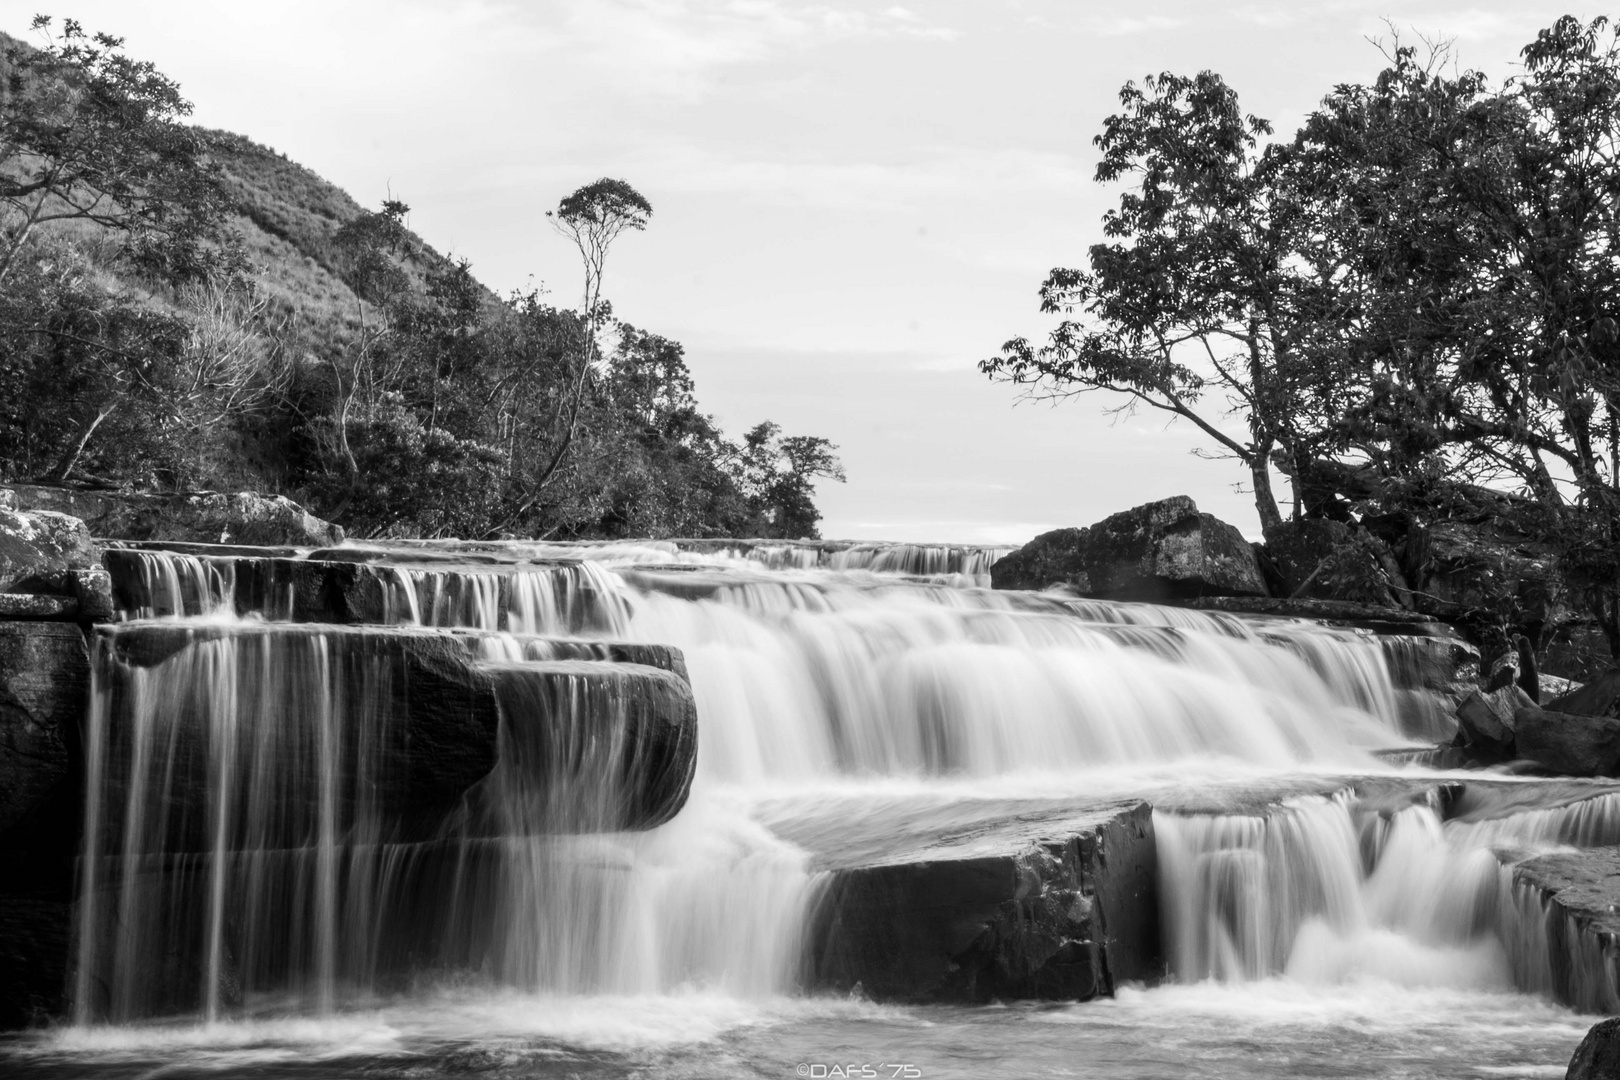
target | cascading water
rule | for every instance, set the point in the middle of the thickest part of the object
(253, 850)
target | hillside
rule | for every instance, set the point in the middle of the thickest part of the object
(185, 309)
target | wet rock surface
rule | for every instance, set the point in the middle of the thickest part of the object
(1156, 551)
(426, 712)
(1598, 1056)
(1579, 896)
(1566, 743)
(44, 687)
(1060, 904)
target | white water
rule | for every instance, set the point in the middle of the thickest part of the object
(821, 689)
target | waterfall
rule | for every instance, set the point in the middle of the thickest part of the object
(261, 836)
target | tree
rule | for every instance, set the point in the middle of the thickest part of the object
(1208, 287)
(88, 134)
(593, 217)
(777, 475)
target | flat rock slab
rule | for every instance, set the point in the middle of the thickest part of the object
(975, 904)
(1579, 894)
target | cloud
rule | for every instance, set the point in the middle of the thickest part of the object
(1124, 25)
(685, 46)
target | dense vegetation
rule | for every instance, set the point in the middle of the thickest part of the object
(1411, 305)
(182, 309)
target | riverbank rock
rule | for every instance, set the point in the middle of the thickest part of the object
(1061, 905)
(209, 517)
(39, 549)
(1566, 925)
(44, 687)
(1158, 551)
(44, 690)
(1566, 743)
(1598, 1056)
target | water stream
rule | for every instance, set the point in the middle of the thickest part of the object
(251, 901)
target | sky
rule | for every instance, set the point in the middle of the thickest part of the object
(853, 203)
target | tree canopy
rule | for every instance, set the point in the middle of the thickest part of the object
(1409, 304)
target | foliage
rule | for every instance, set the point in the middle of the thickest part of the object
(289, 340)
(1425, 280)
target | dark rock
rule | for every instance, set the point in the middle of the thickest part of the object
(44, 684)
(1488, 721)
(37, 549)
(1382, 620)
(1325, 560)
(1600, 697)
(93, 591)
(421, 713)
(210, 517)
(1477, 566)
(1598, 1056)
(1567, 923)
(44, 688)
(1003, 911)
(1568, 744)
(1156, 551)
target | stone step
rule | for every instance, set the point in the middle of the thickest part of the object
(1055, 906)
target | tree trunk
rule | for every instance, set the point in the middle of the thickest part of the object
(70, 457)
(1265, 503)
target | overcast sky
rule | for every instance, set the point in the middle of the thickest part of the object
(853, 203)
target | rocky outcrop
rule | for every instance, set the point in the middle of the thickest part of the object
(1158, 551)
(1062, 908)
(1566, 743)
(44, 685)
(207, 517)
(422, 719)
(1565, 927)
(39, 551)
(1598, 1056)
(44, 688)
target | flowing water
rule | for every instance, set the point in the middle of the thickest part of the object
(259, 897)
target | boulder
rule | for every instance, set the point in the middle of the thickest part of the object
(1158, 551)
(37, 550)
(210, 517)
(1477, 566)
(1598, 1056)
(1568, 744)
(1488, 722)
(999, 910)
(1600, 697)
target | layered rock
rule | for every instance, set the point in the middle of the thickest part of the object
(1567, 930)
(414, 720)
(208, 517)
(1157, 551)
(1060, 908)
